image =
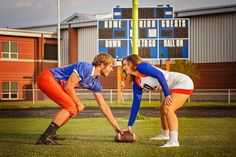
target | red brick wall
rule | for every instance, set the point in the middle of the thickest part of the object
(216, 76)
(73, 45)
(24, 70)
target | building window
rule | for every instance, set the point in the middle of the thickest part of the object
(9, 50)
(50, 51)
(9, 91)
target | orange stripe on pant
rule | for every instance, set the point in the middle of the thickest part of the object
(48, 85)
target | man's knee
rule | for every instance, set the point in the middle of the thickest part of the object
(70, 107)
(73, 111)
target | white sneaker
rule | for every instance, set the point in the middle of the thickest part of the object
(160, 137)
(170, 144)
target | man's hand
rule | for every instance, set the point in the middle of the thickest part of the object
(118, 129)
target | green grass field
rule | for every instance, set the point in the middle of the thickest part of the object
(92, 103)
(204, 137)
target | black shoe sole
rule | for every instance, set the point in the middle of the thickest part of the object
(46, 141)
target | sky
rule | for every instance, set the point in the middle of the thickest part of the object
(20, 13)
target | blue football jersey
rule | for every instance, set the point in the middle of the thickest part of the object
(83, 70)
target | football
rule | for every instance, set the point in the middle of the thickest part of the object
(125, 137)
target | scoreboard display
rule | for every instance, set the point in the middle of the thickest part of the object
(160, 36)
(143, 13)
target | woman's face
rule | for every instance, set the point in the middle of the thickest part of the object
(126, 67)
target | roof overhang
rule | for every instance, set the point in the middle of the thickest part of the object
(206, 11)
(79, 24)
(26, 33)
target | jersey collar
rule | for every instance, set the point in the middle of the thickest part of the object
(93, 71)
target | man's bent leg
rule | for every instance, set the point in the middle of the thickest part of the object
(61, 117)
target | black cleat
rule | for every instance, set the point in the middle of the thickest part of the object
(46, 141)
(56, 137)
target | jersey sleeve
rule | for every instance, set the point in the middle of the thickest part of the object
(82, 70)
(149, 70)
(97, 88)
(137, 92)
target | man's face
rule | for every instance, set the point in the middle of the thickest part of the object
(106, 70)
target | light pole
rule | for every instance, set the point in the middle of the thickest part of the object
(135, 26)
(58, 34)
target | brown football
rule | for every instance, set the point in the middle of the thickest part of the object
(125, 137)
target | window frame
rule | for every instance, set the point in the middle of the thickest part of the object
(9, 92)
(10, 50)
(49, 51)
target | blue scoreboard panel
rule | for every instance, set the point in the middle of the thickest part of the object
(143, 13)
(173, 38)
(160, 35)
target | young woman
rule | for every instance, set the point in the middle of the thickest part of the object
(177, 88)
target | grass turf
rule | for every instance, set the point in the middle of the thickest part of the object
(94, 137)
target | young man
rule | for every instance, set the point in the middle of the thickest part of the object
(59, 85)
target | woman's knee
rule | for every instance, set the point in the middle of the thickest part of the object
(167, 109)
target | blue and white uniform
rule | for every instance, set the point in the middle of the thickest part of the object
(83, 70)
(152, 78)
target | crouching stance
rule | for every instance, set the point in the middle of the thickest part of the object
(59, 85)
(176, 87)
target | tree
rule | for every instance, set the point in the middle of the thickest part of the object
(184, 66)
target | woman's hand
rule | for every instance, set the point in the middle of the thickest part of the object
(167, 101)
(129, 129)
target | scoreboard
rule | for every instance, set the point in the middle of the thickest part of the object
(160, 36)
(144, 13)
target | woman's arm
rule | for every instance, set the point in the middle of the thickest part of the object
(137, 91)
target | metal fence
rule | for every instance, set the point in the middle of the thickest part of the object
(223, 95)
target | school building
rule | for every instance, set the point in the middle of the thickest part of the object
(25, 52)
(23, 55)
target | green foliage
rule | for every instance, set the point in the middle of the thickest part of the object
(186, 67)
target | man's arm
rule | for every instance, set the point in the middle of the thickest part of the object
(70, 90)
(107, 111)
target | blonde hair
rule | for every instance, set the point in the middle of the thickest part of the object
(104, 58)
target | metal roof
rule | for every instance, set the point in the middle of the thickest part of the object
(79, 17)
(16, 32)
(205, 10)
